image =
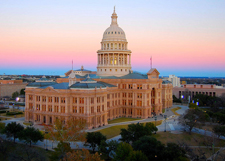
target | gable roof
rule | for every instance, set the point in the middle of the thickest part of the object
(153, 70)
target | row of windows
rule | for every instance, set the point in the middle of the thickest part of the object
(112, 70)
(114, 32)
(44, 99)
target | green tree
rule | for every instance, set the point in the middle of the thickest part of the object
(137, 156)
(193, 118)
(13, 130)
(30, 134)
(81, 155)
(123, 151)
(60, 151)
(193, 105)
(175, 99)
(15, 94)
(107, 147)
(2, 127)
(135, 131)
(219, 130)
(152, 148)
(94, 139)
(173, 152)
(22, 91)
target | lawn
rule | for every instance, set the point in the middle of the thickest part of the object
(190, 140)
(122, 119)
(113, 131)
(5, 118)
(175, 109)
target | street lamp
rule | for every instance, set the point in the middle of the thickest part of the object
(155, 122)
(165, 116)
(46, 132)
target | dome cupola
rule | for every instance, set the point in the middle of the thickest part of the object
(114, 32)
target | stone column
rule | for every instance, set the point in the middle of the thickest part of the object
(108, 59)
(123, 59)
(113, 60)
(129, 59)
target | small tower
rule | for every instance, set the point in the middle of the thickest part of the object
(72, 78)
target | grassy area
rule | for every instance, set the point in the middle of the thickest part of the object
(12, 116)
(191, 140)
(122, 119)
(113, 131)
(21, 151)
(195, 140)
(175, 109)
(5, 118)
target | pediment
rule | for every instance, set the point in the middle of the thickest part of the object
(153, 71)
(49, 89)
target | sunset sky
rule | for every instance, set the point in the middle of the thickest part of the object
(185, 38)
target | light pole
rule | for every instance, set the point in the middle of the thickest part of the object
(46, 132)
(52, 144)
(155, 122)
(165, 116)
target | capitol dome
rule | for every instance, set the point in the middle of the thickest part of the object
(114, 32)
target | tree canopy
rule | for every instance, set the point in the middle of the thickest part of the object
(70, 130)
(94, 139)
(81, 155)
(135, 131)
(13, 129)
(30, 134)
(193, 118)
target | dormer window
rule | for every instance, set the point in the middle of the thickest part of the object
(118, 32)
(115, 32)
(112, 32)
(108, 32)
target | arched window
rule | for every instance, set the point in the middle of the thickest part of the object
(111, 60)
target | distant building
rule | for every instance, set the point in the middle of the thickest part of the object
(8, 87)
(194, 89)
(175, 80)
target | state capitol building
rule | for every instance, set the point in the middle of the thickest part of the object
(114, 91)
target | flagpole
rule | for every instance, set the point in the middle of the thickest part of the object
(72, 64)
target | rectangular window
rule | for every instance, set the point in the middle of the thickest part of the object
(38, 98)
(50, 108)
(30, 106)
(63, 100)
(56, 99)
(62, 109)
(98, 99)
(74, 109)
(102, 107)
(92, 109)
(43, 98)
(30, 97)
(81, 110)
(92, 100)
(139, 95)
(74, 99)
(98, 108)
(130, 86)
(82, 100)
(43, 107)
(49, 99)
